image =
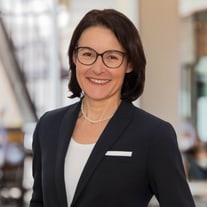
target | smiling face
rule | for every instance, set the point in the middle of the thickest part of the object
(97, 80)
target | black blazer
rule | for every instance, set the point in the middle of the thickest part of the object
(155, 167)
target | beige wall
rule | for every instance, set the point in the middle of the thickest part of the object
(159, 28)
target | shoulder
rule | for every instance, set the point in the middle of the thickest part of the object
(53, 118)
(145, 118)
(158, 133)
(149, 126)
(60, 112)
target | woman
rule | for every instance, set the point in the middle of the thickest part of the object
(103, 151)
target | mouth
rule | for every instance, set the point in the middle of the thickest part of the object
(99, 81)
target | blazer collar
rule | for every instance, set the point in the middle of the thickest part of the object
(66, 129)
(111, 133)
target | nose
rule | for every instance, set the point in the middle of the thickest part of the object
(98, 66)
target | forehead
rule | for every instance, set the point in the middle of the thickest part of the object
(99, 38)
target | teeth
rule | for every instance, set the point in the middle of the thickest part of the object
(99, 81)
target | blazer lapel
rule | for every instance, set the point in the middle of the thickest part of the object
(66, 130)
(113, 130)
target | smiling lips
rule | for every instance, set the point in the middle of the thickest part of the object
(98, 81)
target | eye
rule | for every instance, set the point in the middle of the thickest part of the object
(86, 53)
(112, 56)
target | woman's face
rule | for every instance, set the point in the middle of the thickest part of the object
(97, 80)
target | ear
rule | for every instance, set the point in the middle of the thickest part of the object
(74, 58)
(129, 68)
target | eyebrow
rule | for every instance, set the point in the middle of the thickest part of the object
(110, 50)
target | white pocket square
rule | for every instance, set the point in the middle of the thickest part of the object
(119, 153)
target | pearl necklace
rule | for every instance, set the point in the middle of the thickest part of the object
(90, 120)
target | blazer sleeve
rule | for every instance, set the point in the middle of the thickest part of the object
(166, 171)
(37, 198)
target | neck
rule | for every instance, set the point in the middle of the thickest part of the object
(85, 109)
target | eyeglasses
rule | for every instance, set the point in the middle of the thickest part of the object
(111, 58)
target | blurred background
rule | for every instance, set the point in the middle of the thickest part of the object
(34, 39)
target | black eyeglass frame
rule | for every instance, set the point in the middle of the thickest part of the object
(100, 54)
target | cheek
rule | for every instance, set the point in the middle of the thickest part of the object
(80, 74)
(120, 75)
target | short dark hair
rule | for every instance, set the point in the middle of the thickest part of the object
(128, 36)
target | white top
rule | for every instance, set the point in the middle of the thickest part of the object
(75, 160)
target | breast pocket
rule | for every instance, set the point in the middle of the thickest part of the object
(116, 170)
(119, 156)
